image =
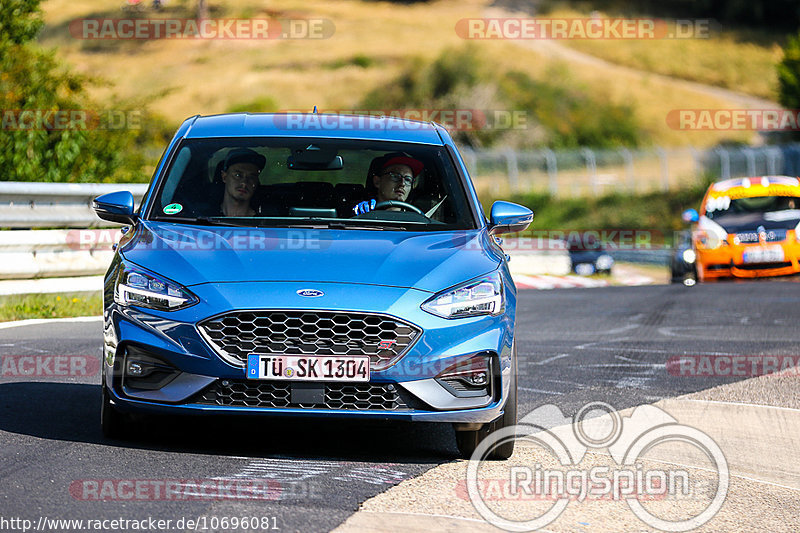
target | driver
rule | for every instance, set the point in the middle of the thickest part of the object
(393, 180)
(239, 174)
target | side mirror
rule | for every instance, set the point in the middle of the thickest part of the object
(509, 218)
(690, 215)
(115, 207)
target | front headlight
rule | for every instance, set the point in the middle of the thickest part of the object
(710, 235)
(605, 262)
(483, 296)
(689, 256)
(136, 287)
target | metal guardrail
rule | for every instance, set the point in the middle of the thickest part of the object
(651, 257)
(56, 205)
(583, 172)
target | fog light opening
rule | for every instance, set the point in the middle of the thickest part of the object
(145, 371)
(468, 378)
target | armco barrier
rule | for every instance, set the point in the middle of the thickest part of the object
(56, 205)
(26, 254)
(653, 257)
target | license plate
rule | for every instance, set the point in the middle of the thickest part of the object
(763, 255)
(308, 367)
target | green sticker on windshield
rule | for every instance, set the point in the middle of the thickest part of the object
(173, 209)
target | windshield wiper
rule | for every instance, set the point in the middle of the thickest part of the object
(208, 221)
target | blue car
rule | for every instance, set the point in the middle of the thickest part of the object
(311, 265)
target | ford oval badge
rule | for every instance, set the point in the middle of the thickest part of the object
(310, 293)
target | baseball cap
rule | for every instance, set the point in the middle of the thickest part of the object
(415, 165)
(244, 155)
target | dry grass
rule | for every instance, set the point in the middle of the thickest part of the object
(727, 59)
(179, 79)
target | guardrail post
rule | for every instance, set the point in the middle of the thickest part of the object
(552, 171)
(630, 179)
(591, 168)
(662, 154)
(513, 169)
(471, 160)
(750, 157)
(772, 155)
(724, 163)
(698, 164)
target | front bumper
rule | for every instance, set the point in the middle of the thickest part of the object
(728, 261)
(173, 338)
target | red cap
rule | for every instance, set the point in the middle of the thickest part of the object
(415, 165)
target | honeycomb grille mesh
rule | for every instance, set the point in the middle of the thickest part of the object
(235, 335)
(361, 396)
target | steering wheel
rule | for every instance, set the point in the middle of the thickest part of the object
(396, 203)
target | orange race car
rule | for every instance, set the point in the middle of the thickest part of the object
(747, 228)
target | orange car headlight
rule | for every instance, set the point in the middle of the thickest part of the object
(709, 240)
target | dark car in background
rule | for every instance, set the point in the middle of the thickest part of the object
(683, 263)
(588, 256)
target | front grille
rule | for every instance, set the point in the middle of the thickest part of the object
(350, 396)
(763, 266)
(236, 335)
(773, 235)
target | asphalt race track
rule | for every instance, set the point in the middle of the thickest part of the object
(606, 344)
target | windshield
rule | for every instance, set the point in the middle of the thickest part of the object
(770, 208)
(313, 182)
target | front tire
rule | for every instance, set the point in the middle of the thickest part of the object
(115, 425)
(468, 441)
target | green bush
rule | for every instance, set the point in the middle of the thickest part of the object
(98, 147)
(658, 211)
(262, 104)
(789, 75)
(559, 112)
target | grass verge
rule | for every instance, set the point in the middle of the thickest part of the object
(24, 306)
(658, 212)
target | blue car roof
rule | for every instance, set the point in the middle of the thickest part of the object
(321, 125)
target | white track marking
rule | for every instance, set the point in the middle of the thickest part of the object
(540, 391)
(550, 359)
(35, 321)
(739, 403)
(544, 281)
(621, 329)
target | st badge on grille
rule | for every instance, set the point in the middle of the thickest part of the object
(310, 293)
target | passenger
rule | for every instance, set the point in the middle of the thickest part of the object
(392, 180)
(240, 172)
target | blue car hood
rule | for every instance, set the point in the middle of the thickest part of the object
(428, 261)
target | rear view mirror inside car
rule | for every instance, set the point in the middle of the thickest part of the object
(314, 157)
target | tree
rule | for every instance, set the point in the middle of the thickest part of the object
(202, 9)
(789, 75)
(34, 88)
